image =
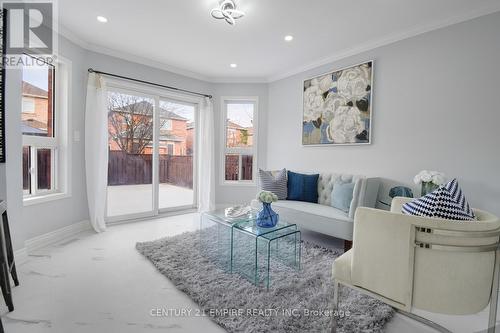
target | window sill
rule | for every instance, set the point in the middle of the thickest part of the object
(30, 201)
(239, 183)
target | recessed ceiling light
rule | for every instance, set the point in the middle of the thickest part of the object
(233, 65)
(102, 19)
(288, 38)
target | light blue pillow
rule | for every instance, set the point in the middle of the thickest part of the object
(342, 196)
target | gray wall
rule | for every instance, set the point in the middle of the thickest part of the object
(435, 107)
(110, 64)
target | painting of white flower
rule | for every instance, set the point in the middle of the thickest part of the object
(345, 125)
(337, 107)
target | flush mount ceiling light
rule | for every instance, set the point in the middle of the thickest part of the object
(233, 65)
(288, 38)
(227, 11)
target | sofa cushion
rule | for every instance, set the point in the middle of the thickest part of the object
(332, 222)
(326, 182)
(342, 196)
(274, 181)
(447, 202)
(302, 187)
(313, 209)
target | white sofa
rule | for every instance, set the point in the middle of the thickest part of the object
(322, 217)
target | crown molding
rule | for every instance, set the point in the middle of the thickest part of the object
(72, 37)
(249, 79)
(172, 69)
(390, 39)
(349, 52)
(69, 35)
(147, 62)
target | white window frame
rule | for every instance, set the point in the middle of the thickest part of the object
(240, 151)
(31, 100)
(60, 144)
(173, 148)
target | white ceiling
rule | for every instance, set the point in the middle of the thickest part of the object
(181, 35)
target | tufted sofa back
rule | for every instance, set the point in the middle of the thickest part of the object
(325, 187)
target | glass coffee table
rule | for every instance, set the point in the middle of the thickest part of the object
(239, 246)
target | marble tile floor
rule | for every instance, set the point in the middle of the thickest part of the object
(100, 283)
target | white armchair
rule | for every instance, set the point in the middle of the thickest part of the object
(437, 265)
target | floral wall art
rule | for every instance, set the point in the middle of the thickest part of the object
(337, 107)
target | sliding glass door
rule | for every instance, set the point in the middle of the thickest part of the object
(130, 148)
(176, 145)
(151, 154)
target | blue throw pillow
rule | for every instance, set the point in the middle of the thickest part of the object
(447, 202)
(302, 187)
(342, 196)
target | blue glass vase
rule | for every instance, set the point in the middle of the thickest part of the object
(267, 217)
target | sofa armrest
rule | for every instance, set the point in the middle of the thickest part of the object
(398, 202)
(382, 256)
(364, 194)
(371, 192)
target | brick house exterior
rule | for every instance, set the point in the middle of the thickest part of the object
(238, 136)
(190, 138)
(173, 132)
(36, 115)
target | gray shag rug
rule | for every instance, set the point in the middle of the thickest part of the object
(297, 301)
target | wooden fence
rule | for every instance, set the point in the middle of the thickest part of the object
(129, 169)
(44, 165)
(233, 166)
(26, 168)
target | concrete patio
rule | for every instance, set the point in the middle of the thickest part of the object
(131, 199)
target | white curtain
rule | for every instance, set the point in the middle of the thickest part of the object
(96, 154)
(206, 172)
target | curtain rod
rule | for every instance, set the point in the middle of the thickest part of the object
(91, 70)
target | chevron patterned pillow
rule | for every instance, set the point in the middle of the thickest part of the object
(447, 202)
(274, 181)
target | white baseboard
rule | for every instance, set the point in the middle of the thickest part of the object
(149, 218)
(55, 236)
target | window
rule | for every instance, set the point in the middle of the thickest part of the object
(240, 149)
(170, 148)
(28, 105)
(167, 125)
(44, 132)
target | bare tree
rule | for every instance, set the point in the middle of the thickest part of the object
(131, 122)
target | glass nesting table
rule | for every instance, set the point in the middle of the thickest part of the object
(238, 245)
